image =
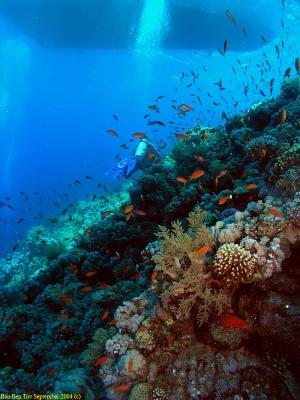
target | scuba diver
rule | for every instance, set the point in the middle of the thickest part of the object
(126, 168)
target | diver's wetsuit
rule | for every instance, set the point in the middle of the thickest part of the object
(140, 156)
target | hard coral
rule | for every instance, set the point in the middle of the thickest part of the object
(160, 394)
(234, 264)
(290, 89)
(263, 147)
(289, 182)
(117, 345)
(137, 361)
(289, 157)
(141, 391)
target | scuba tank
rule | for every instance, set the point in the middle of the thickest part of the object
(141, 149)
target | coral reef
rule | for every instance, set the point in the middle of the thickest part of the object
(192, 294)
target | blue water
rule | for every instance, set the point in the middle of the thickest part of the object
(57, 102)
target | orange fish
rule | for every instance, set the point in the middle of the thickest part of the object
(63, 296)
(181, 136)
(128, 216)
(283, 117)
(104, 286)
(197, 174)
(273, 211)
(186, 107)
(113, 322)
(106, 213)
(142, 329)
(86, 289)
(128, 209)
(204, 134)
(232, 321)
(203, 250)
(122, 388)
(86, 232)
(63, 326)
(153, 275)
(90, 273)
(105, 315)
(140, 212)
(170, 340)
(112, 132)
(223, 200)
(64, 316)
(139, 135)
(50, 371)
(251, 186)
(181, 111)
(150, 154)
(136, 277)
(101, 361)
(130, 366)
(182, 180)
(67, 300)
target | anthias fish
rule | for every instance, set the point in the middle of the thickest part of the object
(231, 321)
(197, 174)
